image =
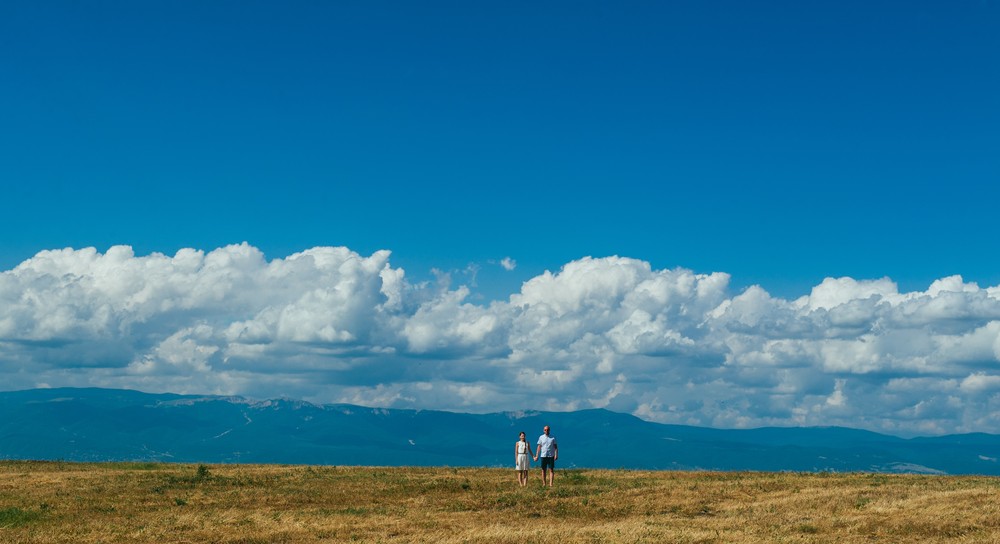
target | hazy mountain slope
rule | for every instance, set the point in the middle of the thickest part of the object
(100, 424)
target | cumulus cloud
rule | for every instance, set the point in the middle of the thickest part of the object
(331, 325)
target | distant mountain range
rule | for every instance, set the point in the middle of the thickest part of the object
(121, 425)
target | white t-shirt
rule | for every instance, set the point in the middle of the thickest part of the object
(548, 444)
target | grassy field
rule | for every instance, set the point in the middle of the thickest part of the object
(91, 503)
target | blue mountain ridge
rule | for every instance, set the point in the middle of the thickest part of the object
(121, 425)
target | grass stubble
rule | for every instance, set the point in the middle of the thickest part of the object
(52, 502)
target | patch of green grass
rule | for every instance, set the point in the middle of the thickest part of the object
(352, 511)
(808, 528)
(507, 500)
(574, 477)
(16, 517)
(202, 475)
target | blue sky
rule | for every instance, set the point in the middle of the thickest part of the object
(780, 143)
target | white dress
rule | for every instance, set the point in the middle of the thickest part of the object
(522, 456)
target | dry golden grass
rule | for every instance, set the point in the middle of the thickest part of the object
(107, 503)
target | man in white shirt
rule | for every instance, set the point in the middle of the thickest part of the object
(548, 451)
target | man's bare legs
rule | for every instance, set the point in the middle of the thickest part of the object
(548, 476)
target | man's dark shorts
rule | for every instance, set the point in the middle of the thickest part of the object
(548, 463)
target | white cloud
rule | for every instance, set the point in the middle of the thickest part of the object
(330, 325)
(834, 292)
(508, 264)
(980, 382)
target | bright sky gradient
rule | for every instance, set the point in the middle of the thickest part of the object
(721, 213)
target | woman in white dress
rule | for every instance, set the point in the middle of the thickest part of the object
(522, 459)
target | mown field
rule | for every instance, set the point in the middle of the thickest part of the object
(107, 503)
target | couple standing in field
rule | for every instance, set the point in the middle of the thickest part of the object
(547, 450)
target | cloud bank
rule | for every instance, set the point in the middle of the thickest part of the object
(673, 346)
